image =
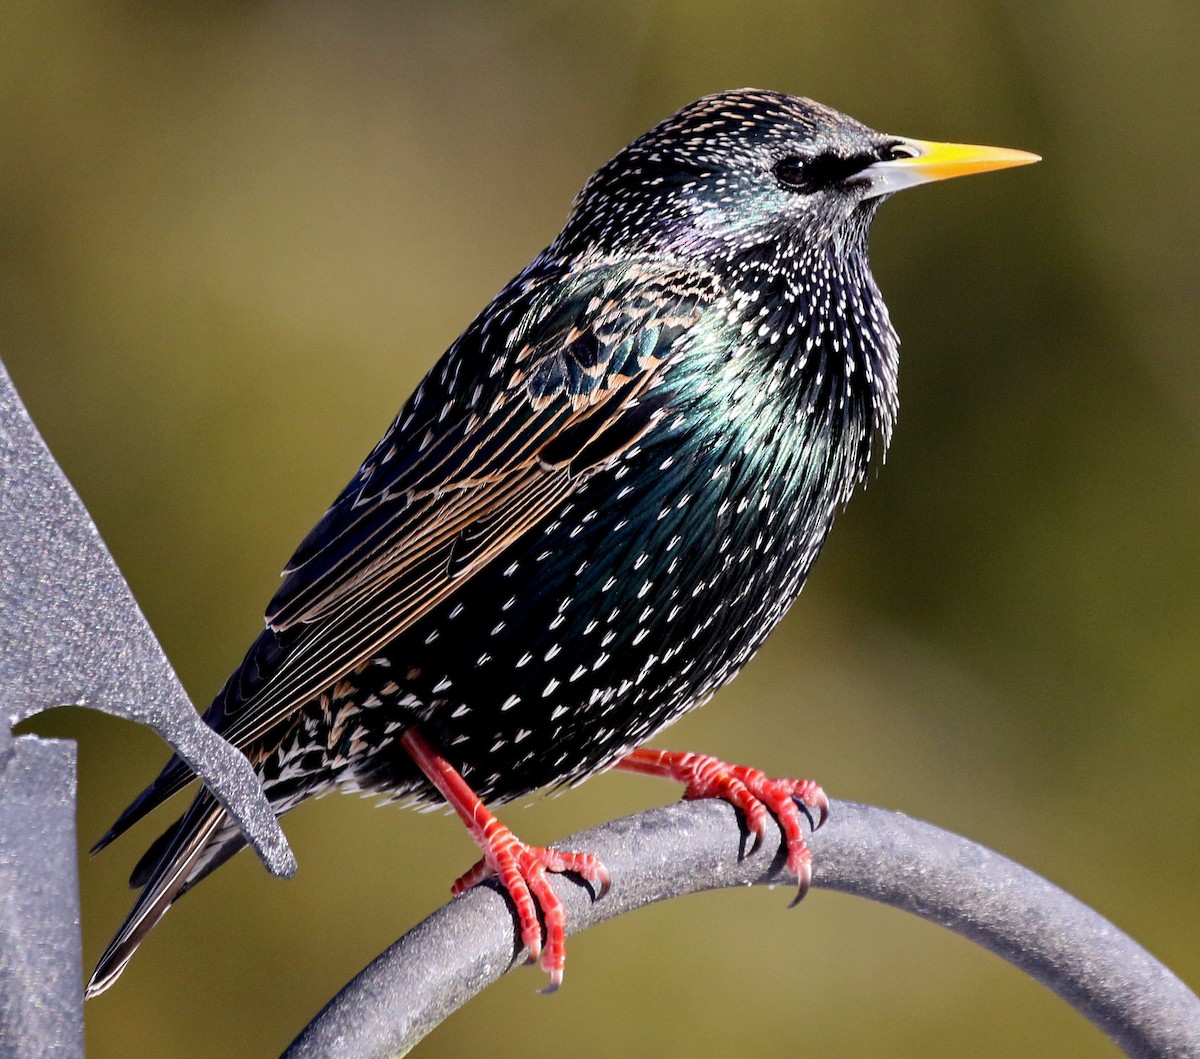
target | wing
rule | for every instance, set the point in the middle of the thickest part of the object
(556, 379)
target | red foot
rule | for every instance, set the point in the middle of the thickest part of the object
(751, 791)
(520, 868)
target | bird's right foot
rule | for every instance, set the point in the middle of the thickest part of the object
(519, 867)
(522, 870)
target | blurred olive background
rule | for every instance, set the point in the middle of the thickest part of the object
(235, 234)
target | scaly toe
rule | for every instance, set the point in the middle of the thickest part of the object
(815, 798)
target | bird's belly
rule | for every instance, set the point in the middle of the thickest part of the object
(641, 596)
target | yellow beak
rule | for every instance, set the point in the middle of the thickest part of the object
(939, 161)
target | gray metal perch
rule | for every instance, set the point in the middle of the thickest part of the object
(470, 942)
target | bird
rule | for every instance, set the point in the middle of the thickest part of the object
(590, 514)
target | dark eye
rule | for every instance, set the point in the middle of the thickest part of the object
(893, 152)
(790, 172)
(822, 171)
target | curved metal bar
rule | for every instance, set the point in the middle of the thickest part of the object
(470, 942)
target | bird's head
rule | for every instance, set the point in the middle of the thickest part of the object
(753, 171)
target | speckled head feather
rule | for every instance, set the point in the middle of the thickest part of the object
(707, 180)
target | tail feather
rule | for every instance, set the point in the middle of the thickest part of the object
(174, 777)
(221, 847)
(186, 853)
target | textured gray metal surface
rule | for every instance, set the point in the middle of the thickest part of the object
(471, 942)
(41, 984)
(71, 632)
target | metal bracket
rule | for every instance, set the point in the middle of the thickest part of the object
(71, 633)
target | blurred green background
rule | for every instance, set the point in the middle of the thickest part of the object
(235, 234)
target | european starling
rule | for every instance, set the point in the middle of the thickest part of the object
(593, 510)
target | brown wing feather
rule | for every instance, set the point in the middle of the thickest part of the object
(456, 513)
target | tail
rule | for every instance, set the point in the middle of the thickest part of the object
(199, 842)
(174, 777)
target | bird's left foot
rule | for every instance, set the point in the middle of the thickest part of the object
(747, 789)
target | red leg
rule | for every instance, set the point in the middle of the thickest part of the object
(747, 789)
(520, 868)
